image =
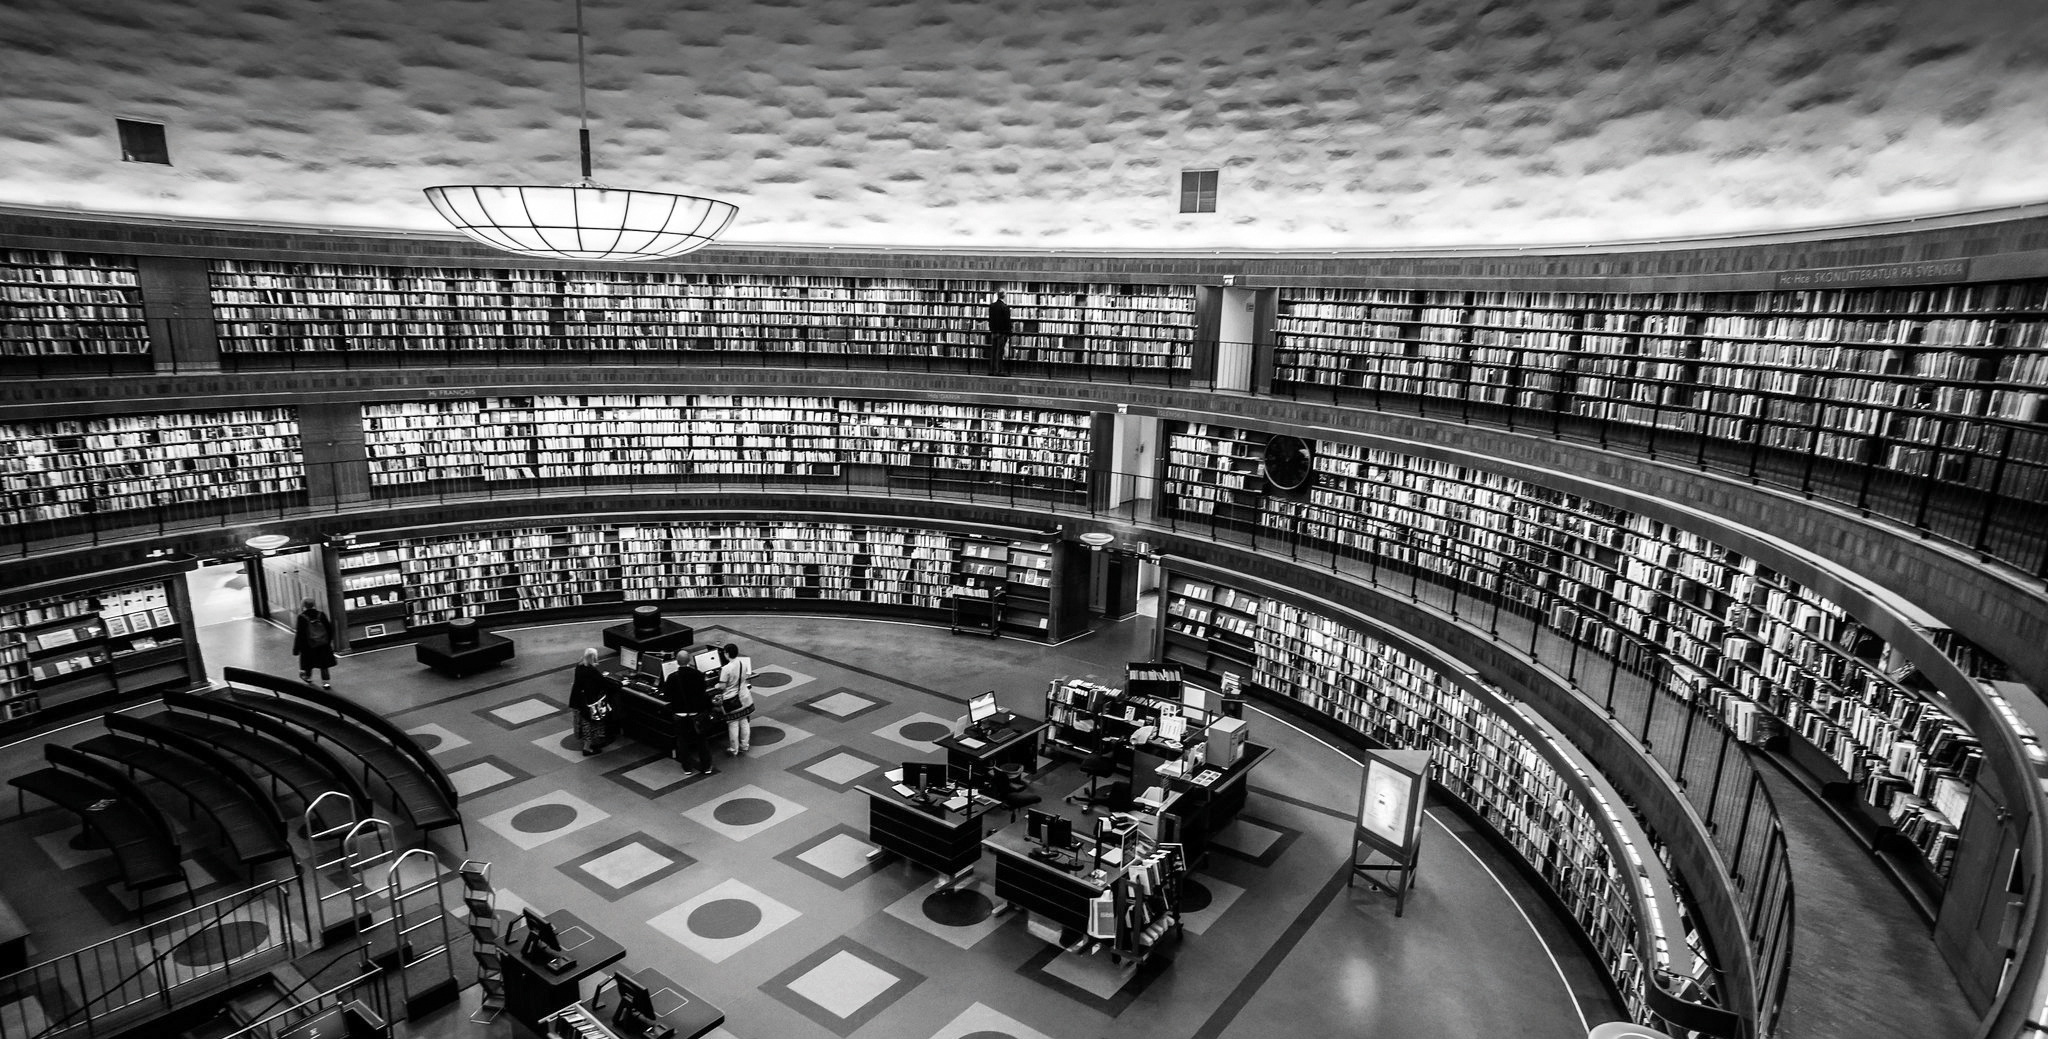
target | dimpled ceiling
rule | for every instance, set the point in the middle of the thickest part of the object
(1051, 123)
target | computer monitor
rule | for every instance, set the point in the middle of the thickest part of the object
(629, 658)
(654, 667)
(636, 1006)
(541, 939)
(706, 660)
(1059, 833)
(924, 775)
(1036, 821)
(981, 708)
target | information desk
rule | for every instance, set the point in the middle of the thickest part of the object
(1046, 891)
(532, 991)
(932, 836)
(643, 715)
(678, 1013)
(440, 653)
(669, 637)
(977, 757)
(1199, 810)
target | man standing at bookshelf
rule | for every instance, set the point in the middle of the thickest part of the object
(998, 332)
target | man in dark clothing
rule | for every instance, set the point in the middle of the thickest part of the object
(998, 332)
(688, 692)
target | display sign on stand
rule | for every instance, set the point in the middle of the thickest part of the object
(1391, 793)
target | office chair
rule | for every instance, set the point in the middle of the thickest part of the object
(1099, 765)
(1010, 789)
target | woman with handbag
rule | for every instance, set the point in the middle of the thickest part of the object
(736, 697)
(590, 698)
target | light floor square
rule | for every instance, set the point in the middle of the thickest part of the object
(843, 704)
(532, 823)
(1220, 895)
(962, 915)
(742, 813)
(844, 985)
(473, 779)
(57, 845)
(1095, 974)
(564, 744)
(918, 732)
(1254, 840)
(773, 734)
(774, 680)
(435, 738)
(723, 920)
(839, 768)
(980, 1019)
(653, 777)
(524, 711)
(626, 865)
(838, 857)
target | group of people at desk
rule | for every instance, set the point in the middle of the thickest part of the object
(935, 813)
(687, 702)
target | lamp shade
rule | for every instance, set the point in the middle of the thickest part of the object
(582, 221)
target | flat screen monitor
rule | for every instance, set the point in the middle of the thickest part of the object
(1059, 833)
(706, 661)
(1036, 822)
(1196, 697)
(636, 1005)
(982, 708)
(651, 665)
(629, 658)
(540, 935)
(924, 775)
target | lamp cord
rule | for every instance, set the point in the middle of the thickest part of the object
(582, 95)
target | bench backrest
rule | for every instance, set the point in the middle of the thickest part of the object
(265, 725)
(353, 711)
(201, 751)
(114, 779)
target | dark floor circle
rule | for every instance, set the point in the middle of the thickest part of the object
(724, 918)
(958, 908)
(765, 735)
(216, 945)
(924, 732)
(544, 818)
(426, 740)
(1194, 897)
(986, 1034)
(569, 741)
(743, 811)
(770, 680)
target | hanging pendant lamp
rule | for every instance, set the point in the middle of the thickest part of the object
(583, 220)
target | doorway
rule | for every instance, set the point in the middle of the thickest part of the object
(1235, 329)
(221, 591)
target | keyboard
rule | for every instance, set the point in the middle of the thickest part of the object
(1000, 735)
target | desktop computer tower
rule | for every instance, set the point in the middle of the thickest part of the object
(1226, 741)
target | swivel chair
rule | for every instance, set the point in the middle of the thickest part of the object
(1101, 764)
(1009, 787)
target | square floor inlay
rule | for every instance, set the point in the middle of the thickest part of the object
(843, 704)
(1204, 899)
(919, 731)
(839, 768)
(485, 775)
(963, 914)
(63, 847)
(843, 985)
(773, 734)
(653, 777)
(626, 865)
(774, 680)
(742, 813)
(1093, 980)
(1254, 840)
(838, 857)
(437, 739)
(523, 711)
(530, 824)
(723, 920)
(980, 1019)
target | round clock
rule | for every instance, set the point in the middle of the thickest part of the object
(1290, 463)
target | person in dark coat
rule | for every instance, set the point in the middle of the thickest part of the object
(313, 644)
(998, 332)
(688, 693)
(589, 697)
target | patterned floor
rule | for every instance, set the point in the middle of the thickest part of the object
(755, 887)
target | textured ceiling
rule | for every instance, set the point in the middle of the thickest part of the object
(1051, 123)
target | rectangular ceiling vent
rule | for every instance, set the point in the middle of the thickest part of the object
(1198, 191)
(143, 142)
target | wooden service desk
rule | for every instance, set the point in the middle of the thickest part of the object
(932, 836)
(1052, 894)
(972, 755)
(533, 990)
(675, 1007)
(1202, 809)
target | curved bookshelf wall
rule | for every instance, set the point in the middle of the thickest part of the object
(1912, 414)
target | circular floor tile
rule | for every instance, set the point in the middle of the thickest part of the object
(743, 811)
(960, 907)
(770, 680)
(544, 818)
(426, 740)
(765, 735)
(222, 943)
(569, 741)
(925, 732)
(1193, 896)
(986, 1034)
(724, 918)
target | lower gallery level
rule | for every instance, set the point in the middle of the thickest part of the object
(752, 889)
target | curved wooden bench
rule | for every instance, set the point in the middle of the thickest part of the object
(294, 758)
(246, 818)
(115, 810)
(416, 782)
